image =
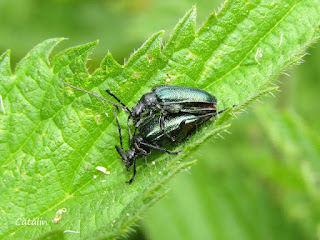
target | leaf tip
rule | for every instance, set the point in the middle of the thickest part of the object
(109, 64)
(152, 44)
(40, 51)
(193, 10)
(5, 65)
(96, 42)
(91, 45)
(5, 55)
(159, 34)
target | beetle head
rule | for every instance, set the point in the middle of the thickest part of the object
(130, 155)
(127, 157)
(146, 103)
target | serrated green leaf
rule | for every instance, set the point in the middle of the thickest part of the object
(53, 138)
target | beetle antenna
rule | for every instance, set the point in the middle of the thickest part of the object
(210, 114)
(116, 98)
(221, 111)
(97, 96)
(224, 110)
(129, 131)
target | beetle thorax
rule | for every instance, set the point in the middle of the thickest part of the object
(138, 109)
(147, 102)
(150, 99)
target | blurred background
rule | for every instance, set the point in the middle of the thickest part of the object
(259, 182)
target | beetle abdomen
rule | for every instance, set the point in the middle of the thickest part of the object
(151, 130)
(180, 94)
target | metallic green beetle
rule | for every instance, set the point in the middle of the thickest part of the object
(178, 128)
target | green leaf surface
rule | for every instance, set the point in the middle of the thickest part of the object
(53, 138)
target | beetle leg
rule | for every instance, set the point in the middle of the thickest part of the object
(119, 128)
(161, 119)
(162, 126)
(198, 110)
(201, 110)
(161, 122)
(123, 157)
(134, 172)
(159, 148)
(135, 130)
(142, 121)
(136, 146)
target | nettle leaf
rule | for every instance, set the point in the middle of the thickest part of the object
(53, 138)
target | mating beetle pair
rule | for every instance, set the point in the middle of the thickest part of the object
(166, 113)
(165, 100)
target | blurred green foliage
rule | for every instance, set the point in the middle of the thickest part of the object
(120, 25)
(258, 182)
